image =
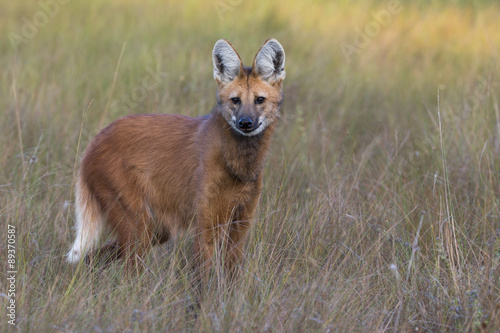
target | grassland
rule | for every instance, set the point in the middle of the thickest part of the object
(380, 210)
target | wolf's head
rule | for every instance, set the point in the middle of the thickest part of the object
(249, 98)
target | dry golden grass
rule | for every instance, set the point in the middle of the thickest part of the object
(380, 210)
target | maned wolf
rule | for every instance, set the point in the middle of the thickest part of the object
(145, 178)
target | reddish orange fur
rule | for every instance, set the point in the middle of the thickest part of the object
(151, 176)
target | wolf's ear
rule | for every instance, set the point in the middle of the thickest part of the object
(227, 63)
(269, 63)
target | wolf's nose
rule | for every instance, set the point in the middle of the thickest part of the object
(245, 123)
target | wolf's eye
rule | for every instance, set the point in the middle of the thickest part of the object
(235, 100)
(260, 100)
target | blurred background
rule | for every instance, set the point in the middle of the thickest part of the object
(391, 118)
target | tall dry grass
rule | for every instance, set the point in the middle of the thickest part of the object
(380, 210)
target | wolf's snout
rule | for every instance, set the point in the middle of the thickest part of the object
(245, 123)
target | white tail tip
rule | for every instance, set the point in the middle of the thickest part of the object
(73, 256)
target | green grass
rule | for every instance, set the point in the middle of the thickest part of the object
(380, 209)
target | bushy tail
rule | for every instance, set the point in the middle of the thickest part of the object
(89, 223)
